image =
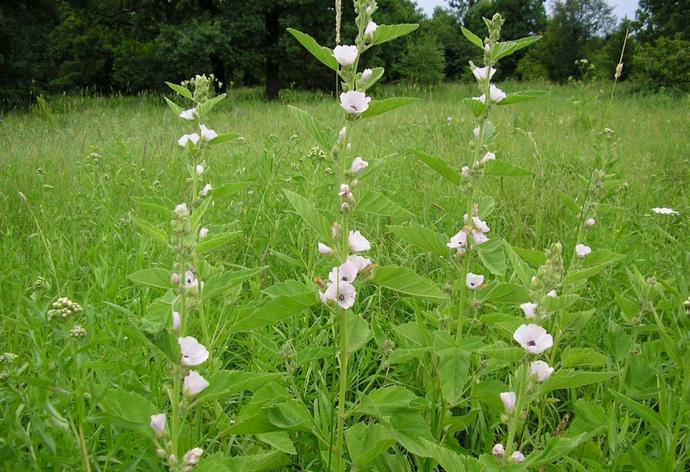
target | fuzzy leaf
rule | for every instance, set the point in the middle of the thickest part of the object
(322, 53)
(179, 89)
(322, 135)
(385, 33)
(473, 38)
(423, 238)
(407, 282)
(439, 165)
(378, 107)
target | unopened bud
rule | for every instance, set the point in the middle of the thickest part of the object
(619, 70)
(175, 278)
(345, 207)
(498, 450)
(342, 135)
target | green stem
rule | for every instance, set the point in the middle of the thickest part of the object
(343, 364)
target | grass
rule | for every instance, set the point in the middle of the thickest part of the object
(81, 161)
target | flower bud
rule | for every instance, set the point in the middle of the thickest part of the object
(517, 457)
(182, 210)
(366, 74)
(158, 424)
(325, 250)
(192, 456)
(342, 135)
(199, 169)
(498, 450)
(590, 222)
(508, 399)
(203, 232)
(345, 207)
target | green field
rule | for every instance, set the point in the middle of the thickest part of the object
(89, 165)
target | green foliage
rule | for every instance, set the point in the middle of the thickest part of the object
(663, 64)
(424, 61)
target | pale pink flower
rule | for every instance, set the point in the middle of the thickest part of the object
(346, 55)
(458, 242)
(193, 455)
(479, 237)
(498, 450)
(533, 338)
(158, 424)
(346, 272)
(176, 321)
(474, 281)
(530, 310)
(582, 251)
(205, 191)
(359, 262)
(357, 242)
(203, 232)
(325, 250)
(207, 134)
(358, 165)
(590, 222)
(541, 370)
(496, 94)
(482, 73)
(345, 192)
(366, 74)
(193, 384)
(517, 457)
(191, 283)
(508, 399)
(342, 293)
(371, 28)
(188, 138)
(354, 101)
(190, 114)
(193, 352)
(489, 156)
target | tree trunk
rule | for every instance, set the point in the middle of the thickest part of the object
(272, 22)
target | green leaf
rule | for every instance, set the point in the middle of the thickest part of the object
(378, 107)
(205, 108)
(179, 89)
(583, 357)
(475, 106)
(216, 241)
(157, 234)
(378, 204)
(452, 371)
(128, 409)
(650, 416)
(473, 38)
(279, 308)
(290, 415)
(156, 205)
(555, 449)
(376, 74)
(229, 189)
(322, 53)
(505, 169)
(261, 462)
(220, 283)
(176, 109)
(423, 238)
(502, 351)
(386, 401)
(310, 214)
(166, 343)
(439, 165)
(503, 293)
(158, 278)
(322, 135)
(226, 383)
(385, 33)
(358, 332)
(279, 440)
(556, 304)
(566, 378)
(506, 48)
(406, 281)
(367, 441)
(224, 138)
(522, 96)
(492, 256)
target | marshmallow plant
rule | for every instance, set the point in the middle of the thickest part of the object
(177, 323)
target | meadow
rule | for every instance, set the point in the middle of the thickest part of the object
(78, 172)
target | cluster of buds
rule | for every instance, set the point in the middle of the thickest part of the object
(64, 308)
(317, 154)
(471, 235)
(202, 86)
(77, 331)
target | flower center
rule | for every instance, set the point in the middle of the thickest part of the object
(341, 298)
(531, 343)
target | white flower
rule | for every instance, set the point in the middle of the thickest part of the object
(482, 73)
(207, 188)
(517, 457)
(498, 450)
(176, 320)
(158, 424)
(358, 165)
(530, 310)
(552, 294)
(193, 384)
(359, 262)
(479, 237)
(187, 138)
(476, 132)
(479, 224)
(325, 250)
(346, 272)
(182, 210)
(496, 94)
(193, 455)
(200, 169)
(345, 192)
(581, 250)
(189, 114)
(191, 282)
(508, 399)
(540, 370)
(533, 338)
(665, 211)
(342, 293)
(207, 134)
(474, 281)
(357, 242)
(193, 352)
(458, 242)
(450, 120)
(371, 28)
(354, 102)
(203, 232)
(590, 222)
(366, 74)
(489, 156)
(346, 55)
(466, 173)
